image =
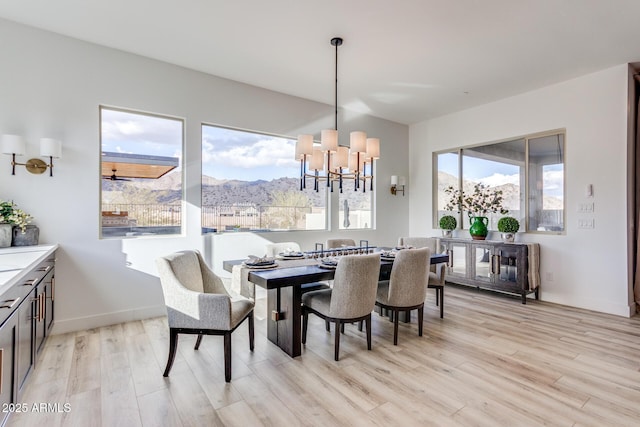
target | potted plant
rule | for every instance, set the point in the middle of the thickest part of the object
(477, 205)
(448, 223)
(508, 226)
(16, 221)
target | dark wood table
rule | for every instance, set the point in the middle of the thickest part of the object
(284, 297)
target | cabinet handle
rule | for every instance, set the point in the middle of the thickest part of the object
(495, 264)
(31, 301)
(47, 268)
(42, 307)
(29, 282)
(9, 303)
(53, 288)
(1, 368)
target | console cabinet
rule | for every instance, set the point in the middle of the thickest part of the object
(492, 265)
(26, 318)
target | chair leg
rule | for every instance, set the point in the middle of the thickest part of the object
(251, 331)
(337, 343)
(396, 316)
(227, 356)
(341, 328)
(441, 303)
(305, 319)
(198, 341)
(420, 319)
(173, 346)
(368, 323)
(326, 325)
(360, 326)
(437, 296)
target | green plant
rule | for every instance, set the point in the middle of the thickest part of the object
(10, 214)
(508, 224)
(448, 222)
(482, 201)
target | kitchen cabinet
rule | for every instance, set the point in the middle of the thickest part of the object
(493, 265)
(26, 316)
(7, 362)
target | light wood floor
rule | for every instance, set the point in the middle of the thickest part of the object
(491, 361)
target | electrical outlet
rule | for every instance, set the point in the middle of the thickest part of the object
(587, 223)
(548, 276)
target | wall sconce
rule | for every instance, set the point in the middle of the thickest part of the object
(397, 185)
(15, 146)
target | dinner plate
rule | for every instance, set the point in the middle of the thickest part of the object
(260, 266)
(297, 255)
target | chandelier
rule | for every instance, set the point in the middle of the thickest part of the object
(334, 163)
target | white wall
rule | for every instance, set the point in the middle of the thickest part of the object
(52, 86)
(589, 267)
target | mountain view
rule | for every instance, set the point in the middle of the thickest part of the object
(218, 192)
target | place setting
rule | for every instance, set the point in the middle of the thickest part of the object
(290, 255)
(259, 263)
(328, 263)
(388, 255)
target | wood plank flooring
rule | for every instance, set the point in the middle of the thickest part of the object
(490, 362)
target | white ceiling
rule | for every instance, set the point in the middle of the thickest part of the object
(403, 60)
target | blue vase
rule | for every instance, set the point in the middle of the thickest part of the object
(478, 229)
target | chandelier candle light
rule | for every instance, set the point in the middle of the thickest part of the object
(362, 150)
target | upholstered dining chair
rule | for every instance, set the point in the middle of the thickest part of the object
(273, 249)
(198, 303)
(338, 243)
(351, 299)
(436, 272)
(407, 286)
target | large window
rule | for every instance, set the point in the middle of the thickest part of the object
(355, 206)
(251, 182)
(528, 170)
(141, 191)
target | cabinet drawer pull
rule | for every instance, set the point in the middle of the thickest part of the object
(29, 282)
(47, 268)
(9, 303)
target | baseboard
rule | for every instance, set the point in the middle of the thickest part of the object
(89, 322)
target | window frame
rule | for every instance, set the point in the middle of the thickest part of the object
(183, 217)
(327, 209)
(524, 192)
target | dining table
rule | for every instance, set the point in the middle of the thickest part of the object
(285, 283)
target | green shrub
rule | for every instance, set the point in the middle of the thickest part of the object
(448, 222)
(508, 224)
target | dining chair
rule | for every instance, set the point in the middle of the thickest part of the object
(273, 249)
(406, 288)
(351, 299)
(198, 303)
(436, 272)
(338, 243)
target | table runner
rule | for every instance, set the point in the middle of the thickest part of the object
(240, 274)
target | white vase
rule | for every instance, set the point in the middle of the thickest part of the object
(5, 235)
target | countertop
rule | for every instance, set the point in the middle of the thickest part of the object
(17, 261)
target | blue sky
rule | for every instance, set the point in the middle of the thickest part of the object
(140, 134)
(226, 153)
(234, 154)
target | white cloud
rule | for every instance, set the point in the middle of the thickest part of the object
(264, 152)
(500, 179)
(119, 126)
